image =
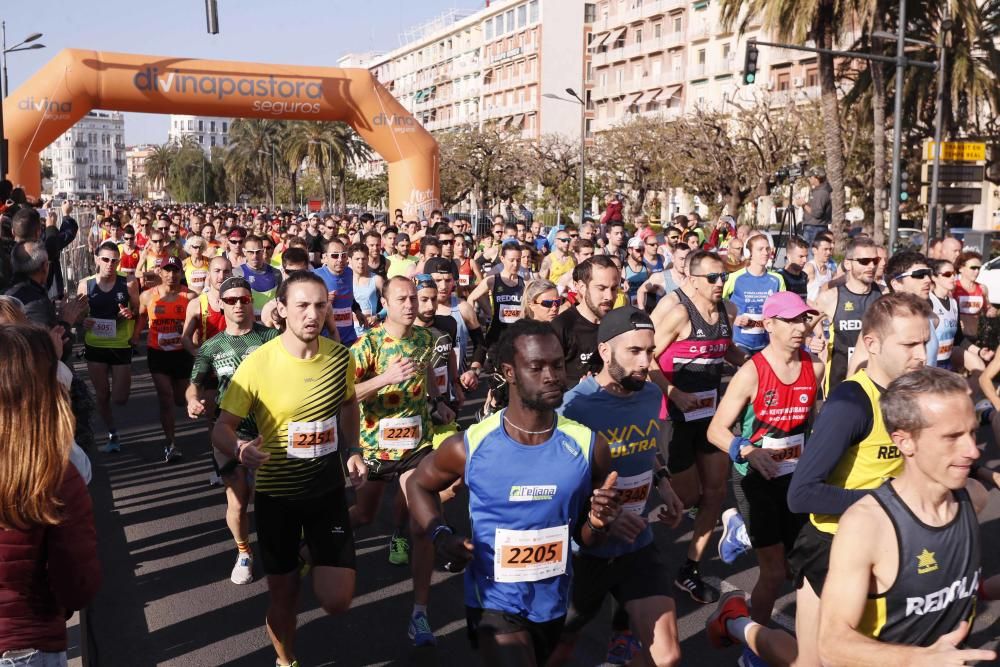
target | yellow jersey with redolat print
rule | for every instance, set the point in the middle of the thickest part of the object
(869, 463)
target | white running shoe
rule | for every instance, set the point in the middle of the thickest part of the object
(243, 570)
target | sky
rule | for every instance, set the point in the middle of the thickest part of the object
(295, 32)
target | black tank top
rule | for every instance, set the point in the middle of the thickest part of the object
(845, 329)
(795, 282)
(103, 304)
(938, 578)
(507, 309)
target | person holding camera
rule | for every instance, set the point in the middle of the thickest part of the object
(818, 210)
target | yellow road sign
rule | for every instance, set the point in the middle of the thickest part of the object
(958, 151)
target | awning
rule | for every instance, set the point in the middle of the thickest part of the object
(615, 36)
(633, 98)
(504, 122)
(647, 96)
(517, 121)
(665, 94)
(599, 39)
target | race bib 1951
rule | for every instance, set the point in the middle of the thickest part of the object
(530, 555)
(400, 432)
(706, 405)
(312, 440)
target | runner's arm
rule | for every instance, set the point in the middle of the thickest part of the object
(438, 471)
(224, 433)
(738, 394)
(603, 479)
(858, 360)
(478, 292)
(350, 423)
(543, 270)
(192, 323)
(650, 286)
(133, 296)
(845, 420)
(986, 380)
(140, 320)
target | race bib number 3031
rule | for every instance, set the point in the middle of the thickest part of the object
(530, 555)
(312, 440)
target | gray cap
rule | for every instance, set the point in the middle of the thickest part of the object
(818, 172)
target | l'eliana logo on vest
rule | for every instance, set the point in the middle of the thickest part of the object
(522, 494)
(926, 562)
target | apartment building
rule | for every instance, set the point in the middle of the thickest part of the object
(486, 67)
(88, 160)
(205, 130)
(669, 57)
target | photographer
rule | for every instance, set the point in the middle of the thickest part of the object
(818, 211)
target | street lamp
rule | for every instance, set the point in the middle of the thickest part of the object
(583, 137)
(20, 46)
(271, 153)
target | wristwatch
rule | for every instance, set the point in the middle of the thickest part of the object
(660, 475)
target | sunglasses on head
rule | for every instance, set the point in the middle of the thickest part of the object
(233, 300)
(549, 303)
(714, 277)
(866, 261)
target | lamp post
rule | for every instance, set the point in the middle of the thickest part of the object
(271, 153)
(583, 137)
(20, 46)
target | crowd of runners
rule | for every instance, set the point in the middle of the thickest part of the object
(634, 374)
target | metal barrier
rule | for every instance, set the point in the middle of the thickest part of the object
(77, 260)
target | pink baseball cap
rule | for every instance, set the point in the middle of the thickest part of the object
(786, 305)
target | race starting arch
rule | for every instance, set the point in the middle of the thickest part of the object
(78, 81)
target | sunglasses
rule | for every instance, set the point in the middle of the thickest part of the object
(236, 241)
(549, 303)
(573, 236)
(974, 268)
(197, 247)
(946, 274)
(156, 240)
(336, 255)
(233, 300)
(445, 242)
(867, 261)
(108, 260)
(804, 318)
(919, 274)
(673, 238)
(713, 278)
(128, 238)
(562, 239)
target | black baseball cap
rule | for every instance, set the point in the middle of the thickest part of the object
(622, 320)
(438, 265)
(234, 282)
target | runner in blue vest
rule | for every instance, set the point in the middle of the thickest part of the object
(535, 481)
(747, 289)
(339, 281)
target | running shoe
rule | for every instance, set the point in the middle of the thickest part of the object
(214, 480)
(732, 605)
(295, 663)
(692, 512)
(734, 541)
(171, 454)
(113, 446)
(420, 630)
(619, 648)
(750, 659)
(689, 580)
(399, 550)
(243, 570)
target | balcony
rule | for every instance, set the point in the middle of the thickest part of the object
(724, 66)
(506, 110)
(697, 71)
(80, 144)
(81, 160)
(120, 147)
(698, 30)
(120, 162)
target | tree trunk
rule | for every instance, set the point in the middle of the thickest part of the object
(878, 134)
(832, 135)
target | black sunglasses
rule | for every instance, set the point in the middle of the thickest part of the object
(721, 276)
(865, 261)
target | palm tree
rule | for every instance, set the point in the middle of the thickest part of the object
(329, 146)
(246, 161)
(794, 22)
(158, 164)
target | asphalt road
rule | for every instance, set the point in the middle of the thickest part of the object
(167, 554)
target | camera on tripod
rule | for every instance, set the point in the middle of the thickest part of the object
(792, 171)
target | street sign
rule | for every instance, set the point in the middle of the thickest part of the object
(958, 151)
(955, 173)
(966, 196)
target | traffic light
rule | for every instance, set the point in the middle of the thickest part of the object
(750, 63)
(907, 184)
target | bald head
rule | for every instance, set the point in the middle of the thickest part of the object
(951, 248)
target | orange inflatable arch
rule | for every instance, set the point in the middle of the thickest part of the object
(77, 81)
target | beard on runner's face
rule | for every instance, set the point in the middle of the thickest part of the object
(600, 308)
(630, 381)
(540, 397)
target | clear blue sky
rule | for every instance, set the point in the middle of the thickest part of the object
(306, 32)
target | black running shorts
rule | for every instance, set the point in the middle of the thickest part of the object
(322, 520)
(490, 622)
(633, 576)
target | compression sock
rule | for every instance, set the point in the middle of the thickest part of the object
(244, 547)
(737, 628)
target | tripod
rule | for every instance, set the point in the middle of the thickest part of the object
(786, 220)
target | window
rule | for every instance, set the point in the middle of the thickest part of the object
(657, 30)
(533, 11)
(211, 126)
(726, 51)
(637, 71)
(213, 139)
(589, 12)
(190, 125)
(620, 76)
(201, 126)
(784, 81)
(678, 23)
(638, 36)
(590, 72)
(510, 20)
(522, 16)
(701, 56)
(225, 126)
(488, 26)
(225, 140)
(656, 66)
(812, 78)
